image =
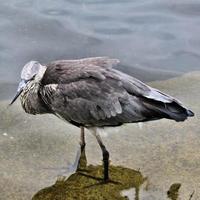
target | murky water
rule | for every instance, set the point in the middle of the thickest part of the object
(155, 40)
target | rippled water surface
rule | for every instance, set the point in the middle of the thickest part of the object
(158, 37)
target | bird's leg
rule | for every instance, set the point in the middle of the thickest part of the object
(82, 139)
(105, 154)
(82, 163)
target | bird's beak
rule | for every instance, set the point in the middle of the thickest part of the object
(20, 88)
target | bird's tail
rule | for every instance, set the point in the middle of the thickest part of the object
(173, 110)
(177, 112)
(190, 113)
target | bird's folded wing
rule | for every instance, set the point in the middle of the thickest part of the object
(85, 101)
(99, 68)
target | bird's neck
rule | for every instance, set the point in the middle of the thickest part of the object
(30, 99)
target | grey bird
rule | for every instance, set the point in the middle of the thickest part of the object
(90, 93)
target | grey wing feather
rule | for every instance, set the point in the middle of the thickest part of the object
(85, 101)
(67, 71)
(136, 87)
(155, 100)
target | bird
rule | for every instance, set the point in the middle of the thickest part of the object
(90, 93)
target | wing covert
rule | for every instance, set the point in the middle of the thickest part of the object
(86, 101)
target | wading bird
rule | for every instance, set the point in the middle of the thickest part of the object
(89, 93)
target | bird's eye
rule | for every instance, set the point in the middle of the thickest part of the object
(32, 78)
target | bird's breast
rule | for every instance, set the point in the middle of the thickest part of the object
(31, 101)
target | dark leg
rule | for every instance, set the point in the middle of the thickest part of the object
(105, 154)
(82, 163)
(82, 138)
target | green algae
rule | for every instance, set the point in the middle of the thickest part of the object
(87, 183)
(172, 193)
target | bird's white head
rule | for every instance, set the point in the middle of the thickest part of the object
(32, 71)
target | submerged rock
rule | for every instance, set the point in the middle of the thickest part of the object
(87, 183)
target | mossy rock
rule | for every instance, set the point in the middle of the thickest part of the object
(88, 184)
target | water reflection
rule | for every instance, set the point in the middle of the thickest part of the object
(87, 183)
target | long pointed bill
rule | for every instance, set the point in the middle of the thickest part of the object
(20, 88)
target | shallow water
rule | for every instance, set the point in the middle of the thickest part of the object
(34, 150)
